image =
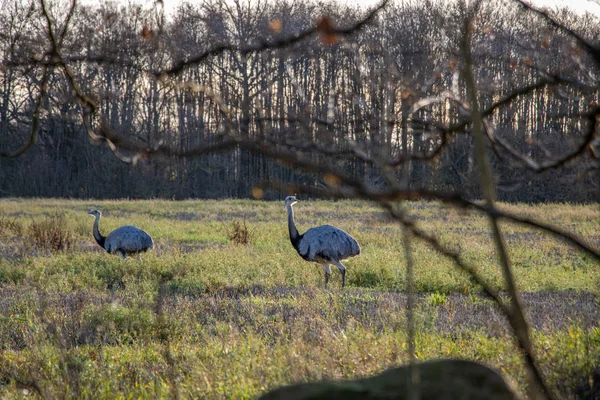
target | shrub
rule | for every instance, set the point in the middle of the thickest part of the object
(10, 225)
(240, 233)
(52, 233)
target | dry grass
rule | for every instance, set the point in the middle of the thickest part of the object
(240, 233)
(10, 225)
(51, 233)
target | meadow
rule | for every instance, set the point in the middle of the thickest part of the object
(202, 316)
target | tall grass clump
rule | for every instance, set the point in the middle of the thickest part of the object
(10, 225)
(240, 233)
(52, 233)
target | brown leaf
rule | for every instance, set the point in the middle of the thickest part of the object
(325, 28)
(576, 51)
(257, 193)
(275, 25)
(147, 33)
(452, 64)
(332, 180)
(325, 25)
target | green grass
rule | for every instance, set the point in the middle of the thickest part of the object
(205, 317)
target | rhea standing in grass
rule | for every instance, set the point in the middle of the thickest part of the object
(124, 240)
(325, 244)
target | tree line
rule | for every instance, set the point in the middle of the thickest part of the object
(386, 94)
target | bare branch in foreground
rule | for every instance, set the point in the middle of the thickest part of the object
(585, 146)
(35, 120)
(517, 317)
(592, 50)
(413, 381)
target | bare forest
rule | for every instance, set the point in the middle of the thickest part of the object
(219, 98)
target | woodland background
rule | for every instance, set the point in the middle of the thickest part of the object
(362, 92)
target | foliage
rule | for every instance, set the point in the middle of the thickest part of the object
(236, 321)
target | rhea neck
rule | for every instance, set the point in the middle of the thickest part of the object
(294, 236)
(99, 238)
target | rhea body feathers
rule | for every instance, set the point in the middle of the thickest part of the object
(325, 244)
(124, 241)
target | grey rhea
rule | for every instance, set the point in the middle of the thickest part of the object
(325, 244)
(124, 240)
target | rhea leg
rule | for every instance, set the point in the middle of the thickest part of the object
(327, 271)
(122, 254)
(342, 270)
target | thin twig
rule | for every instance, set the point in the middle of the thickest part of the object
(591, 49)
(413, 376)
(517, 317)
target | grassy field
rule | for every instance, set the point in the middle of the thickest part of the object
(202, 316)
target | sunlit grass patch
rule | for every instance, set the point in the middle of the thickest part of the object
(192, 228)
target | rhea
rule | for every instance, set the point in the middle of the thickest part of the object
(124, 241)
(325, 244)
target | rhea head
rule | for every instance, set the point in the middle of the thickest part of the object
(95, 213)
(290, 200)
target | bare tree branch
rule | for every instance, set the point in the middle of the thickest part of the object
(413, 392)
(517, 317)
(35, 119)
(585, 146)
(591, 49)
